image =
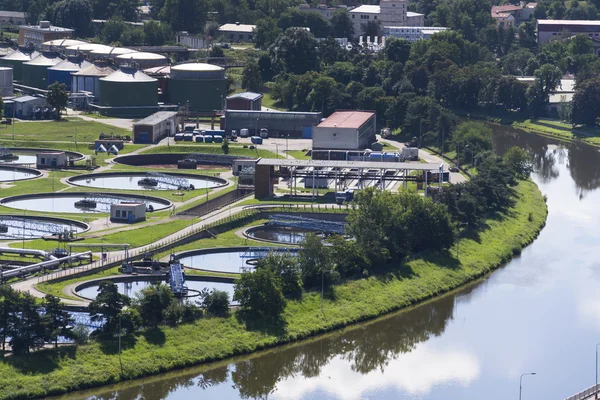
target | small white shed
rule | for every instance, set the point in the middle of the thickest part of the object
(51, 160)
(128, 212)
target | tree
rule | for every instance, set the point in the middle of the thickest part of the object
(75, 14)
(28, 330)
(251, 77)
(295, 51)
(342, 24)
(152, 302)
(260, 295)
(8, 307)
(287, 268)
(225, 146)
(585, 107)
(581, 44)
(155, 34)
(371, 28)
(313, 259)
(519, 161)
(125, 9)
(216, 52)
(266, 33)
(472, 138)
(215, 302)
(107, 306)
(58, 97)
(397, 50)
(184, 15)
(113, 29)
(56, 320)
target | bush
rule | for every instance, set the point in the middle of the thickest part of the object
(81, 334)
(191, 312)
(215, 302)
(173, 313)
(260, 294)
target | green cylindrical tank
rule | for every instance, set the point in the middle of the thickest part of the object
(128, 92)
(16, 58)
(35, 72)
(204, 86)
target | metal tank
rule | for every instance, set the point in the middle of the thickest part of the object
(88, 79)
(204, 86)
(142, 60)
(110, 54)
(6, 81)
(86, 48)
(128, 92)
(60, 44)
(62, 71)
(16, 58)
(35, 72)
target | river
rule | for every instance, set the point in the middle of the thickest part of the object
(539, 313)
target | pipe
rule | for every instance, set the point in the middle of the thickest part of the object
(41, 253)
(41, 265)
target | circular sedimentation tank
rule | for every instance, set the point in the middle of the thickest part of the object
(143, 181)
(279, 234)
(16, 58)
(204, 86)
(79, 203)
(128, 92)
(27, 155)
(35, 72)
(10, 174)
(30, 227)
(227, 260)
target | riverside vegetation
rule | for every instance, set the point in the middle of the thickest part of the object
(506, 213)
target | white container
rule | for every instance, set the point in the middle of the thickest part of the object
(244, 132)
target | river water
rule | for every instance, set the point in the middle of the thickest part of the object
(539, 313)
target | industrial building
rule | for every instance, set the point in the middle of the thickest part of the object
(12, 18)
(36, 35)
(202, 86)
(238, 32)
(387, 13)
(142, 60)
(62, 71)
(548, 29)
(345, 130)
(279, 123)
(128, 92)
(16, 58)
(411, 33)
(155, 127)
(35, 72)
(51, 159)
(88, 79)
(6, 82)
(127, 212)
(245, 101)
(25, 107)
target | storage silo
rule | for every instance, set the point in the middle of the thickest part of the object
(62, 71)
(88, 79)
(142, 60)
(110, 54)
(128, 92)
(6, 81)
(204, 86)
(60, 44)
(86, 48)
(35, 72)
(16, 59)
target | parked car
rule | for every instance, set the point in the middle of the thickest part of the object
(453, 168)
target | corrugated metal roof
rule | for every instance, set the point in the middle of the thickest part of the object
(70, 65)
(20, 55)
(246, 95)
(237, 28)
(156, 118)
(99, 69)
(346, 119)
(127, 74)
(350, 164)
(46, 59)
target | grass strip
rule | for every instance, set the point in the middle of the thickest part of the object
(52, 372)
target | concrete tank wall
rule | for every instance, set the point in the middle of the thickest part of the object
(6, 81)
(202, 95)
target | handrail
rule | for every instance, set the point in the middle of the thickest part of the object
(587, 393)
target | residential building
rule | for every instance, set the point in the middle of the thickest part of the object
(345, 130)
(411, 33)
(387, 13)
(238, 32)
(511, 15)
(36, 35)
(12, 18)
(549, 29)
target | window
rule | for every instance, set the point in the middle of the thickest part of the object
(249, 37)
(375, 17)
(352, 16)
(118, 214)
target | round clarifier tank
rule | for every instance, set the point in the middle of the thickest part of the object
(35, 72)
(142, 59)
(204, 86)
(10, 174)
(143, 181)
(6, 81)
(279, 234)
(16, 58)
(79, 203)
(28, 155)
(86, 48)
(227, 260)
(128, 91)
(62, 71)
(29, 227)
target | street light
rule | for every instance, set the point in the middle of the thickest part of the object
(276, 148)
(521, 382)
(256, 128)
(596, 387)
(120, 335)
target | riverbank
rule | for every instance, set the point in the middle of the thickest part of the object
(53, 372)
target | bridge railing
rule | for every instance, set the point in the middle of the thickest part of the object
(586, 394)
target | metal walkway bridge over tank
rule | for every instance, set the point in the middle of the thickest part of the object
(254, 253)
(108, 199)
(177, 280)
(165, 179)
(33, 225)
(295, 221)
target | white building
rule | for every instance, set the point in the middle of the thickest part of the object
(345, 130)
(411, 33)
(549, 29)
(51, 159)
(238, 32)
(510, 15)
(12, 18)
(387, 13)
(128, 212)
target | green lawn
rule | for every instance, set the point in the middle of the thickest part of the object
(56, 288)
(298, 154)
(234, 150)
(208, 339)
(269, 102)
(560, 130)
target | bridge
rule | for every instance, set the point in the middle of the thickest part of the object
(86, 320)
(171, 180)
(177, 280)
(587, 394)
(33, 225)
(296, 221)
(106, 199)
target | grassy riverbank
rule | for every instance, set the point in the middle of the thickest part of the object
(210, 339)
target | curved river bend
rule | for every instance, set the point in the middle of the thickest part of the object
(540, 313)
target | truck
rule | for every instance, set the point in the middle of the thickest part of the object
(264, 133)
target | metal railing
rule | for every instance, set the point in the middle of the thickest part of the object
(586, 394)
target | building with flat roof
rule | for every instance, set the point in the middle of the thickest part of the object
(345, 130)
(245, 101)
(128, 212)
(238, 32)
(57, 159)
(550, 29)
(12, 18)
(387, 13)
(411, 33)
(279, 123)
(35, 35)
(155, 127)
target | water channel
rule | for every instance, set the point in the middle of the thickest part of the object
(539, 313)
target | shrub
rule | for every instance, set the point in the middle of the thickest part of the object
(215, 302)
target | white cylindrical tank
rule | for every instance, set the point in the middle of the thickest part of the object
(6, 81)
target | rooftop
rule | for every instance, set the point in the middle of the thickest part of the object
(366, 9)
(413, 14)
(246, 95)
(155, 118)
(12, 14)
(350, 164)
(346, 119)
(505, 8)
(24, 99)
(51, 28)
(237, 28)
(582, 22)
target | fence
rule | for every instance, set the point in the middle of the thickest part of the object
(216, 203)
(194, 233)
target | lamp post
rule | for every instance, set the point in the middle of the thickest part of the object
(421, 134)
(276, 148)
(120, 335)
(596, 387)
(521, 382)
